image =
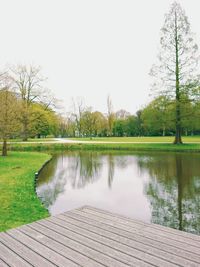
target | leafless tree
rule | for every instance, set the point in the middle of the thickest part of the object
(110, 115)
(78, 107)
(122, 114)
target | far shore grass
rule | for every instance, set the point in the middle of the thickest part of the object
(140, 139)
(19, 203)
(135, 139)
(165, 147)
(30, 140)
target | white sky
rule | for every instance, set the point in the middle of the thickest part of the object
(89, 48)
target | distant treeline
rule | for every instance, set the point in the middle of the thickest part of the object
(156, 119)
(27, 110)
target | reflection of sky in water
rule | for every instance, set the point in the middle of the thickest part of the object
(125, 190)
(120, 192)
(144, 186)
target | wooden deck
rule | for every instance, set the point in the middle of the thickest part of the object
(91, 237)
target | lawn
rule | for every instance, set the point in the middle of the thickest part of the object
(31, 140)
(143, 139)
(19, 203)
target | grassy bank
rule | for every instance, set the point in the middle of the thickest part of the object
(111, 146)
(19, 203)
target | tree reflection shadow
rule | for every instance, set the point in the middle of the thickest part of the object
(174, 190)
(111, 169)
(84, 168)
(77, 169)
(51, 181)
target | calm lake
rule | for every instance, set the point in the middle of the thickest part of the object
(161, 188)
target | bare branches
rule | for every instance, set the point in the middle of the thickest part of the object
(28, 82)
(111, 115)
(187, 50)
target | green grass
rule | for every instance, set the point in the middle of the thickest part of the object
(111, 146)
(143, 139)
(19, 203)
(30, 140)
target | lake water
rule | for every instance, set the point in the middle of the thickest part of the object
(161, 188)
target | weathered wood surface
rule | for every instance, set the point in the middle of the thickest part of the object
(91, 237)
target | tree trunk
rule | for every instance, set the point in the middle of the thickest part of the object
(178, 139)
(163, 131)
(4, 148)
(25, 131)
(186, 132)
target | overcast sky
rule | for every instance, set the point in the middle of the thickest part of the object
(90, 49)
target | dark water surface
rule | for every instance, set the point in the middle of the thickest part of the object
(161, 188)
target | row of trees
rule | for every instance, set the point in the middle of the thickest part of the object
(158, 118)
(28, 110)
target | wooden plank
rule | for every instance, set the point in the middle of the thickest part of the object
(3, 264)
(90, 237)
(143, 227)
(99, 234)
(141, 232)
(11, 258)
(91, 249)
(156, 226)
(41, 248)
(85, 256)
(81, 217)
(24, 252)
(124, 252)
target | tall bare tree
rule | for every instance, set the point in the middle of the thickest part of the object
(122, 114)
(175, 72)
(78, 110)
(110, 115)
(8, 111)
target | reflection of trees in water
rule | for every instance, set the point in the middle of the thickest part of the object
(174, 190)
(77, 169)
(111, 169)
(84, 168)
(51, 181)
(122, 161)
(113, 161)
